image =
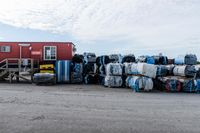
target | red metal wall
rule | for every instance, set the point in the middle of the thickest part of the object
(35, 50)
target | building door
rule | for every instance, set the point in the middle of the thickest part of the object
(25, 51)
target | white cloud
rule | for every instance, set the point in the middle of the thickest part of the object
(152, 24)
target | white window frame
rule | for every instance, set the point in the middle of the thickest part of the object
(50, 49)
(9, 49)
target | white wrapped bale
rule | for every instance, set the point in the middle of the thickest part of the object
(197, 67)
(114, 69)
(185, 71)
(113, 81)
(148, 70)
(147, 84)
(130, 68)
(179, 71)
(170, 69)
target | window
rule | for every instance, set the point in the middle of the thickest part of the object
(50, 53)
(5, 48)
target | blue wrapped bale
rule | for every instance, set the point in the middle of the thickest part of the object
(162, 70)
(197, 85)
(191, 85)
(180, 60)
(150, 60)
(77, 71)
(188, 85)
(138, 83)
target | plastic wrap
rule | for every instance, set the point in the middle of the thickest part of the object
(190, 59)
(138, 83)
(113, 81)
(128, 59)
(114, 69)
(185, 71)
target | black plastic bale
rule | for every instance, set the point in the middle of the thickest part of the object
(77, 58)
(160, 60)
(128, 59)
(88, 68)
(102, 60)
(91, 79)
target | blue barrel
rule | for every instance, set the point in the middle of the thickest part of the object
(63, 71)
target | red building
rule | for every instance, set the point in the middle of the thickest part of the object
(42, 51)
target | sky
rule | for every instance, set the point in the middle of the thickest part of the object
(140, 27)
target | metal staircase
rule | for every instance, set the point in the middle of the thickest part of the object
(4, 69)
(13, 67)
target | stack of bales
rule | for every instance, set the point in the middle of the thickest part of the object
(140, 76)
(77, 69)
(180, 76)
(101, 63)
(89, 68)
(113, 76)
(186, 72)
(163, 69)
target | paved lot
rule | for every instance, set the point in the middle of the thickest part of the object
(28, 108)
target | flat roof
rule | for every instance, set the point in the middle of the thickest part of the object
(33, 42)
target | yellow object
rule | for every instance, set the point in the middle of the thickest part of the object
(47, 66)
(47, 71)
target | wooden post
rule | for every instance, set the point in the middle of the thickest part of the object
(6, 64)
(19, 64)
(17, 77)
(32, 70)
(10, 77)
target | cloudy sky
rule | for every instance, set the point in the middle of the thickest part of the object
(106, 26)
